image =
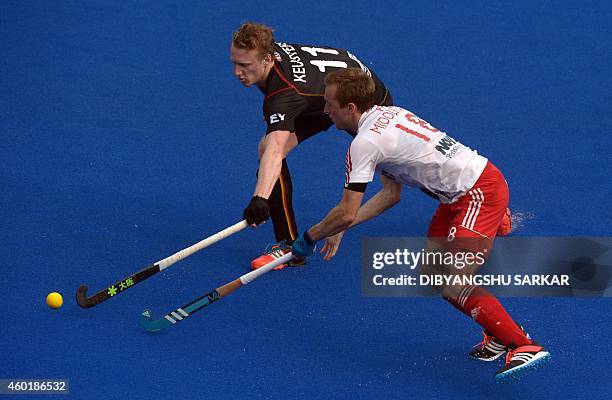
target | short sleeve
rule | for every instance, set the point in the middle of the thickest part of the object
(361, 159)
(282, 109)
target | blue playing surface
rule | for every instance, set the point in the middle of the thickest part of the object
(125, 138)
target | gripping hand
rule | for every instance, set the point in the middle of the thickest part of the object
(303, 246)
(257, 211)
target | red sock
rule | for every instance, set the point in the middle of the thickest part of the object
(487, 311)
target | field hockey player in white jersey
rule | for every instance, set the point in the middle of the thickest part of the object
(406, 150)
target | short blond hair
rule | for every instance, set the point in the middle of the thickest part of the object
(352, 86)
(253, 36)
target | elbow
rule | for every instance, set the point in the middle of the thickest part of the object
(394, 198)
(348, 219)
(391, 195)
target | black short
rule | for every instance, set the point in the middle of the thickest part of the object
(307, 127)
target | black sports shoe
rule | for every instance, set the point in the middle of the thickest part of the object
(490, 349)
(520, 360)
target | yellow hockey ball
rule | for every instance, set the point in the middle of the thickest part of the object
(54, 300)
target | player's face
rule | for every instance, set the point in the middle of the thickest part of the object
(341, 116)
(249, 67)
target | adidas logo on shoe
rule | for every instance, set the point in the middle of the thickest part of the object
(521, 360)
(491, 348)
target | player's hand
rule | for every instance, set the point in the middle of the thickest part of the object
(303, 246)
(331, 246)
(257, 212)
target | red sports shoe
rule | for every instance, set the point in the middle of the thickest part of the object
(521, 360)
(506, 225)
(274, 252)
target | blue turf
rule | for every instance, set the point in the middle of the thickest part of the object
(125, 138)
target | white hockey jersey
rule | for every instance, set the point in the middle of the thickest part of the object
(398, 144)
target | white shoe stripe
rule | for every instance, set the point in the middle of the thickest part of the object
(175, 315)
(183, 312)
(524, 354)
(522, 358)
(169, 318)
(495, 346)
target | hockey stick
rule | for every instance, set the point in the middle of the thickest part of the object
(183, 312)
(126, 283)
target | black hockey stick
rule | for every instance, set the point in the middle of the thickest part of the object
(126, 283)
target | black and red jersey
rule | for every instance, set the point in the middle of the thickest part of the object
(295, 86)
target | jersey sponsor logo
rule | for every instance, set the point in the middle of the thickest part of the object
(274, 118)
(448, 146)
(297, 66)
(384, 119)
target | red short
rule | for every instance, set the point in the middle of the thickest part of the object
(476, 215)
